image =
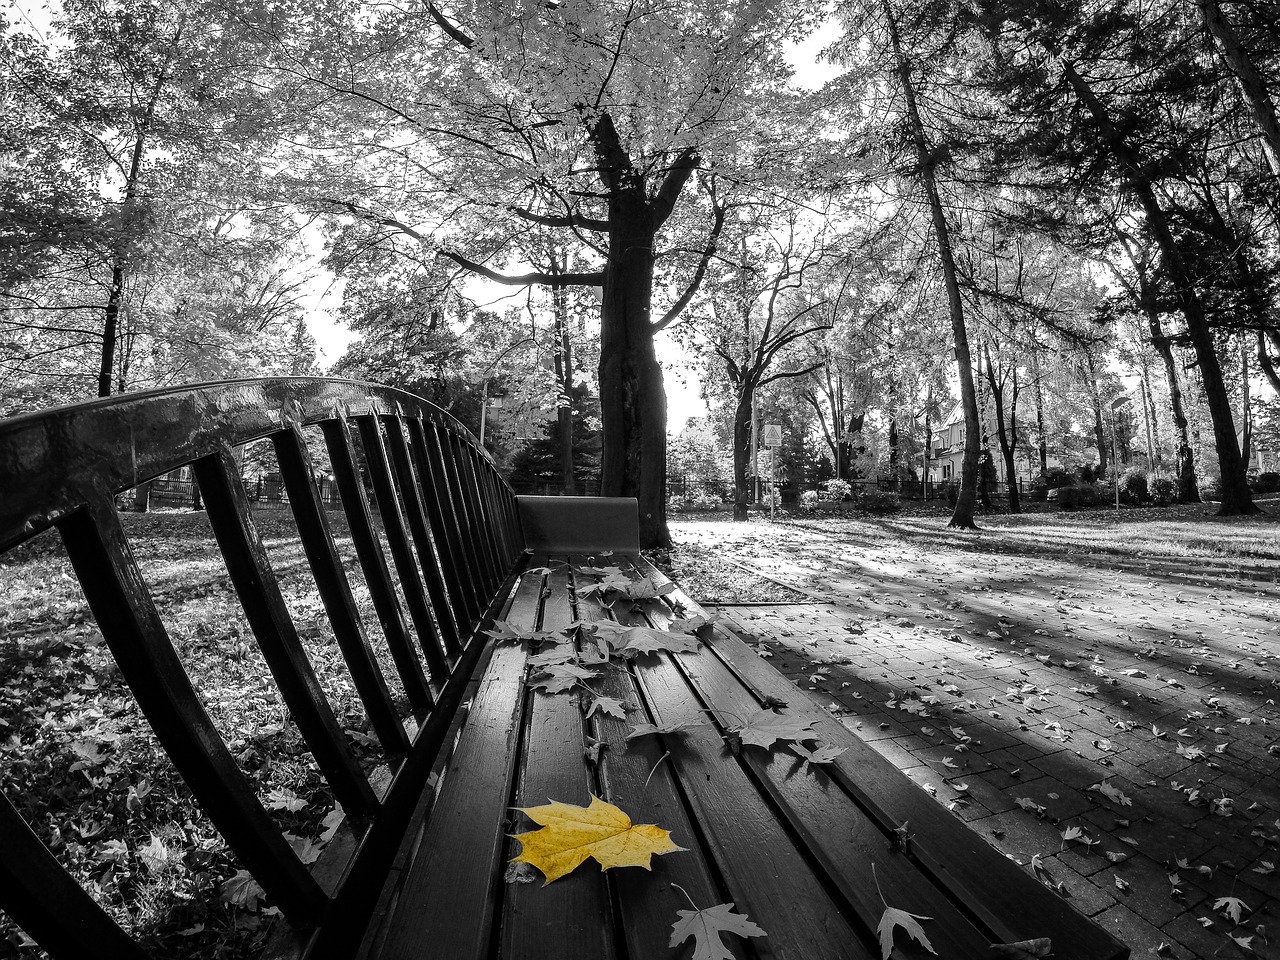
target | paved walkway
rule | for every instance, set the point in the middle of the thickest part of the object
(1114, 729)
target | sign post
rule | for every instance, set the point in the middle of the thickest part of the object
(772, 437)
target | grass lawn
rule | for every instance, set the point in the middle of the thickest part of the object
(82, 765)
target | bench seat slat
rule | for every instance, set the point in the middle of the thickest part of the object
(447, 901)
(373, 563)
(130, 624)
(335, 591)
(264, 607)
(636, 776)
(859, 858)
(1000, 895)
(564, 921)
(397, 532)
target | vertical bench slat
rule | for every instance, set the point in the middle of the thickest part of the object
(466, 524)
(501, 495)
(412, 493)
(264, 605)
(335, 590)
(488, 526)
(393, 522)
(377, 576)
(131, 626)
(492, 509)
(50, 906)
(481, 535)
(447, 527)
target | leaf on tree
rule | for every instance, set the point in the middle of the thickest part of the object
(571, 834)
(607, 705)
(890, 920)
(707, 926)
(242, 890)
(1023, 949)
(767, 727)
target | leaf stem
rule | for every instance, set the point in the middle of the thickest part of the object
(686, 895)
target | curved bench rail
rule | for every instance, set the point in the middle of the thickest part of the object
(453, 532)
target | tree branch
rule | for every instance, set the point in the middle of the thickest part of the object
(678, 307)
(570, 220)
(454, 32)
(677, 176)
(591, 279)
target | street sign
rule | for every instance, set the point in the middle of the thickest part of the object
(772, 435)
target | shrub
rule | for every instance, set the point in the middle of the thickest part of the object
(1163, 491)
(1037, 489)
(1133, 485)
(1057, 477)
(1083, 495)
(877, 501)
(951, 490)
(838, 490)
(1210, 490)
(1088, 472)
(809, 501)
(1268, 482)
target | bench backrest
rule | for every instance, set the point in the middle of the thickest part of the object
(450, 524)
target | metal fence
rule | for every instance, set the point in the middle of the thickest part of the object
(262, 491)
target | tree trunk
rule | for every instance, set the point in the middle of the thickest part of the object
(966, 501)
(742, 449)
(1007, 438)
(1267, 363)
(1037, 393)
(1252, 87)
(633, 404)
(564, 385)
(1245, 433)
(142, 497)
(1236, 497)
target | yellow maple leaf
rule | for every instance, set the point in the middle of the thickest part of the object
(570, 834)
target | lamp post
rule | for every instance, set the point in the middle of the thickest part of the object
(1116, 404)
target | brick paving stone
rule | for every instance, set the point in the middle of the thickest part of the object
(1033, 720)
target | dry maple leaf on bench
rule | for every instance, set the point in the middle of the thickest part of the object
(571, 834)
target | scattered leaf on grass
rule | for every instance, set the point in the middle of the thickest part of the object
(242, 890)
(571, 834)
(707, 926)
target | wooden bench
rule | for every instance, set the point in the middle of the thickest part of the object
(811, 853)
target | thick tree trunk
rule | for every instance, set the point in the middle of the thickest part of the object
(633, 404)
(1236, 498)
(1253, 88)
(966, 501)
